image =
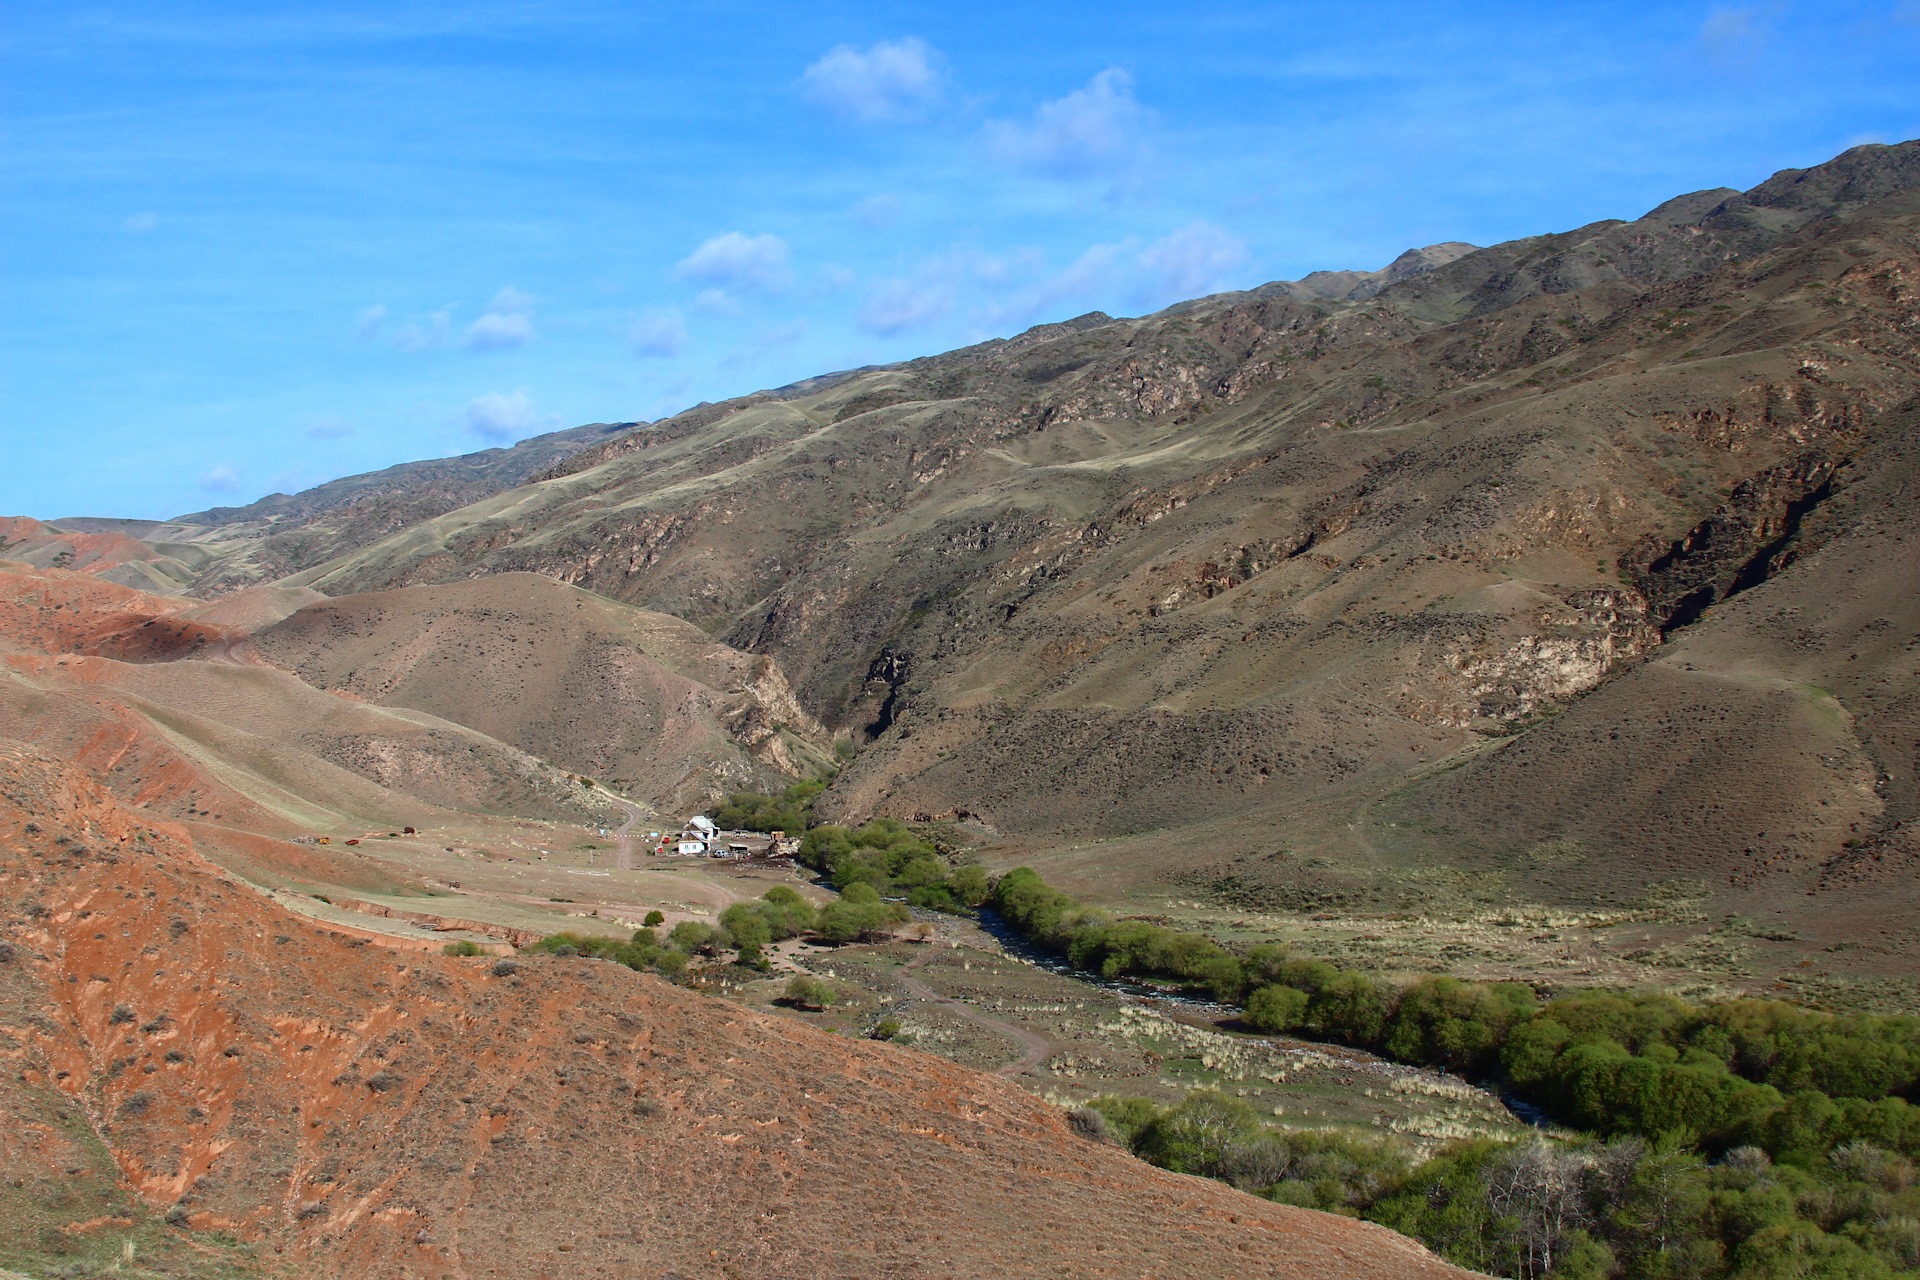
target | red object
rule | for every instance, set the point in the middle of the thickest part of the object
(353, 842)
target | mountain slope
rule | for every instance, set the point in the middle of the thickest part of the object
(351, 1111)
(1249, 566)
(642, 699)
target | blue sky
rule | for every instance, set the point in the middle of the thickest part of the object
(247, 248)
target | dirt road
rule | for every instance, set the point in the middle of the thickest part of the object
(1038, 1048)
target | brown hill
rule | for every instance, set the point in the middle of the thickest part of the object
(645, 700)
(110, 553)
(182, 720)
(351, 1111)
(1224, 579)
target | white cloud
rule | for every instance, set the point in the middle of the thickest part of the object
(141, 223)
(892, 80)
(370, 322)
(329, 429)
(899, 305)
(834, 278)
(1095, 132)
(659, 335)
(506, 324)
(497, 332)
(1196, 259)
(736, 261)
(1002, 293)
(220, 479)
(504, 417)
(716, 302)
(510, 301)
(433, 332)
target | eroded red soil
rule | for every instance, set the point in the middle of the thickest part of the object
(363, 1112)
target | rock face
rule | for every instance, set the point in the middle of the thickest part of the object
(362, 1112)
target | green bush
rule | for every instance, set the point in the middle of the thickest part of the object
(859, 915)
(790, 811)
(640, 953)
(1275, 1009)
(654, 918)
(464, 947)
(809, 992)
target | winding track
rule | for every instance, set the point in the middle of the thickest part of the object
(1039, 1049)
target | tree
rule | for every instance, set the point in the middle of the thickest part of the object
(692, 936)
(969, 886)
(1541, 1188)
(746, 925)
(1275, 1009)
(654, 918)
(1194, 1137)
(809, 992)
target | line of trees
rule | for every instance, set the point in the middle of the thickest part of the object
(1728, 1101)
(883, 853)
(745, 928)
(1588, 1209)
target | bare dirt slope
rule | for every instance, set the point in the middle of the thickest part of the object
(645, 700)
(179, 720)
(354, 1112)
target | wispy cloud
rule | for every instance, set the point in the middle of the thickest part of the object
(994, 293)
(432, 331)
(755, 264)
(890, 80)
(1099, 132)
(505, 417)
(496, 332)
(141, 223)
(506, 324)
(369, 327)
(329, 429)
(1196, 259)
(658, 335)
(220, 479)
(896, 306)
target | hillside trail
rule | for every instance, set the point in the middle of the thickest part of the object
(236, 652)
(623, 838)
(1038, 1048)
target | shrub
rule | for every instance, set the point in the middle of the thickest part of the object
(653, 918)
(1090, 1124)
(691, 937)
(859, 914)
(809, 992)
(1275, 1009)
(1195, 1136)
(464, 947)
